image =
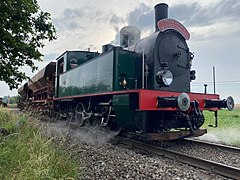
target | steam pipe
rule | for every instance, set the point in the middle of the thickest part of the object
(143, 71)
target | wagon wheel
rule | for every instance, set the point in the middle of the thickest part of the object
(80, 114)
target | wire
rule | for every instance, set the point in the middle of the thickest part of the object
(218, 83)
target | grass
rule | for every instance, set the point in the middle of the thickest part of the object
(26, 154)
(12, 105)
(228, 130)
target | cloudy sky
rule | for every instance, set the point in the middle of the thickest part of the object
(214, 26)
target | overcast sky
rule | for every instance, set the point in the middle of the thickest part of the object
(214, 26)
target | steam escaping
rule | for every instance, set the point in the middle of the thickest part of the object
(88, 135)
(229, 136)
(96, 136)
(129, 36)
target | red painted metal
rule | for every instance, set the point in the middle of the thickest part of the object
(148, 98)
(99, 94)
(165, 24)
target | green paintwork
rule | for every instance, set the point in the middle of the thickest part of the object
(106, 73)
(124, 113)
(127, 65)
(103, 73)
(93, 76)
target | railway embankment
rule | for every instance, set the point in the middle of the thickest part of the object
(97, 158)
(100, 159)
(26, 154)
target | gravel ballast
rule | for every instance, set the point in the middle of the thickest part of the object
(206, 152)
(100, 159)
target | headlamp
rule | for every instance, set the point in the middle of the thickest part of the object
(164, 78)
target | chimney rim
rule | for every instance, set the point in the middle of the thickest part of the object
(165, 4)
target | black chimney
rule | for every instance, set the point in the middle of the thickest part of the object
(161, 12)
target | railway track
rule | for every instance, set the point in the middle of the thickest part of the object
(218, 168)
(235, 150)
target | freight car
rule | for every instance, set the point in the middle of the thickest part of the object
(141, 86)
(39, 91)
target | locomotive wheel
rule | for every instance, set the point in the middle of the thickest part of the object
(114, 128)
(80, 114)
(105, 111)
(108, 120)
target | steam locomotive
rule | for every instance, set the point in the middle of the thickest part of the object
(141, 87)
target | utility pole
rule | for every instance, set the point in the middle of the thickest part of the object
(214, 81)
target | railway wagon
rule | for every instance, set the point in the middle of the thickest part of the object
(38, 93)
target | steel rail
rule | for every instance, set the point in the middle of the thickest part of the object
(218, 168)
(235, 150)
